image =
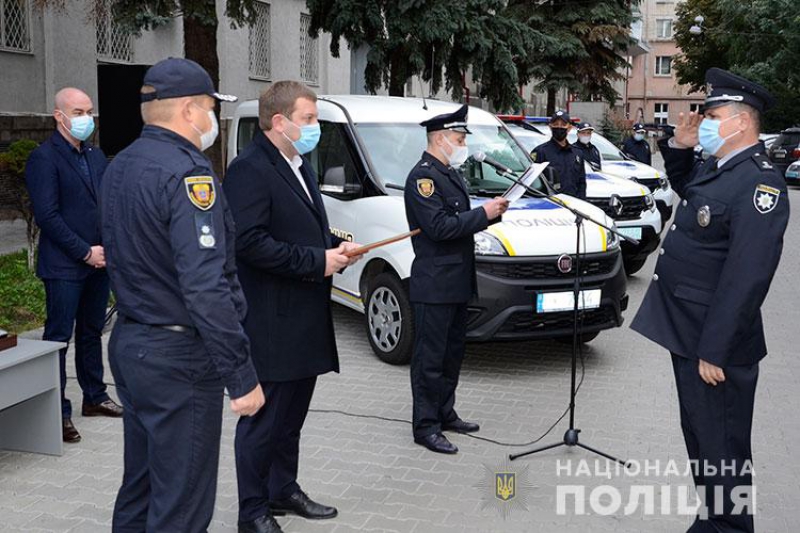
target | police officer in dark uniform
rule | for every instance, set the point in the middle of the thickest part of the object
(716, 266)
(566, 161)
(589, 151)
(636, 146)
(442, 275)
(178, 340)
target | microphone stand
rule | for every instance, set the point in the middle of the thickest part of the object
(571, 435)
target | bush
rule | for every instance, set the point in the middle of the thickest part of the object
(22, 300)
(12, 163)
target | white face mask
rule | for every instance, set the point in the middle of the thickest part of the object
(585, 139)
(207, 139)
(458, 154)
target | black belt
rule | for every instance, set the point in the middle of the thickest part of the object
(177, 328)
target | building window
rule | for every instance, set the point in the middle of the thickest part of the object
(260, 42)
(309, 53)
(661, 115)
(694, 108)
(15, 27)
(664, 28)
(664, 66)
(113, 42)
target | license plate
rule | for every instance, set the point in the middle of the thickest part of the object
(633, 233)
(550, 302)
(779, 155)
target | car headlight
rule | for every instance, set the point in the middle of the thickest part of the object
(488, 244)
(612, 241)
(650, 202)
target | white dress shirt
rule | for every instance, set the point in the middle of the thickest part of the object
(295, 163)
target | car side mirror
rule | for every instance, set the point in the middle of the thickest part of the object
(334, 181)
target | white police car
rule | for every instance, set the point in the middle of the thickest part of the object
(368, 146)
(630, 202)
(792, 175)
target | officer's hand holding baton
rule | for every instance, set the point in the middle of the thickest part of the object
(349, 247)
(495, 207)
(686, 131)
(250, 403)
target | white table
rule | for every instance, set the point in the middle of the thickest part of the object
(30, 397)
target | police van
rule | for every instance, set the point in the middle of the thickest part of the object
(525, 264)
(631, 193)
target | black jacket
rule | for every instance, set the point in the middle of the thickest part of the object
(590, 153)
(567, 165)
(637, 150)
(718, 258)
(281, 238)
(437, 202)
(65, 206)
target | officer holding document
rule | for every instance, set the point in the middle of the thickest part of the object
(442, 275)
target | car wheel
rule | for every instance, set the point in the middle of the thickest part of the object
(632, 266)
(582, 337)
(390, 319)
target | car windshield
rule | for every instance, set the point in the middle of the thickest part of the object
(395, 148)
(530, 140)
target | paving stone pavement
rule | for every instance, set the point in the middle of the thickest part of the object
(381, 482)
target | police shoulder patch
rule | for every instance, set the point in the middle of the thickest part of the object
(425, 187)
(765, 198)
(201, 191)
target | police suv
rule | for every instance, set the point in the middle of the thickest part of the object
(635, 195)
(525, 264)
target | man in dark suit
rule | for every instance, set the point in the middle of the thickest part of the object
(63, 178)
(714, 272)
(286, 256)
(443, 276)
(636, 146)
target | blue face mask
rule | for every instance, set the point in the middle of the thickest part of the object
(708, 134)
(80, 127)
(309, 137)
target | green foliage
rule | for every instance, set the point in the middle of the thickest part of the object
(22, 301)
(759, 40)
(438, 40)
(614, 127)
(137, 16)
(13, 160)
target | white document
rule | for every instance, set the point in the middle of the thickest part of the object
(516, 191)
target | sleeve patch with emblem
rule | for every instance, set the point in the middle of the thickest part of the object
(201, 191)
(765, 198)
(204, 227)
(425, 187)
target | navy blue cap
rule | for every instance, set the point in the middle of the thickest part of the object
(723, 87)
(455, 121)
(583, 126)
(639, 127)
(176, 77)
(560, 115)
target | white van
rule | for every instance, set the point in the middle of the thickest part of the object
(368, 146)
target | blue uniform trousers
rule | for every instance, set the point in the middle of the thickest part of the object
(79, 304)
(717, 423)
(436, 364)
(268, 446)
(173, 400)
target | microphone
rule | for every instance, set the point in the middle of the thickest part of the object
(480, 157)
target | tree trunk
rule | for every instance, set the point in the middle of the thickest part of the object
(200, 45)
(32, 233)
(397, 75)
(551, 102)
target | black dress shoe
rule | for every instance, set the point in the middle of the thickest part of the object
(438, 443)
(68, 431)
(300, 504)
(107, 408)
(262, 524)
(462, 426)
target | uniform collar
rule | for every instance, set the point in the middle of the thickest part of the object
(162, 134)
(441, 167)
(733, 154)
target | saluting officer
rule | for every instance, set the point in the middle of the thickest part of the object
(589, 151)
(178, 340)
(716, 266)
(566, 161)
(442, 275)
(636, 146)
